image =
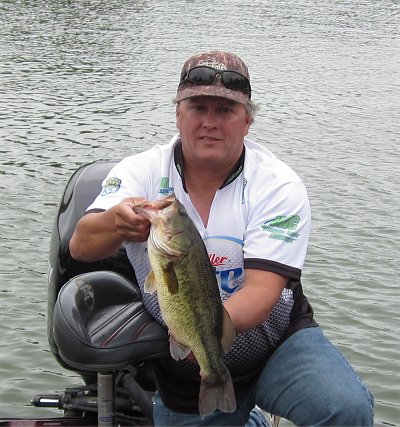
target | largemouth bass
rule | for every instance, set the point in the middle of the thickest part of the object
(189, 299)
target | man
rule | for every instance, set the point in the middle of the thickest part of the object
(253, 213)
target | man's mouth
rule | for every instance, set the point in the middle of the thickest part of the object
(209, 138)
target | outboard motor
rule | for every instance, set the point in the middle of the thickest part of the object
(97, 322)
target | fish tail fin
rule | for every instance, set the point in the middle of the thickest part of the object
(214, 396)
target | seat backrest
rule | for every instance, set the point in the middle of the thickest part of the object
(80, 191)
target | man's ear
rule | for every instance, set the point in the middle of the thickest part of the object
(177, 115)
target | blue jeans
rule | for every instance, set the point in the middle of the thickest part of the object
(306, 381)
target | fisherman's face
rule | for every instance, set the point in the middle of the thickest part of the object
(212, 129)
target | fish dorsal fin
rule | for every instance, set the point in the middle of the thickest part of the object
(150, 285)
(228, 331)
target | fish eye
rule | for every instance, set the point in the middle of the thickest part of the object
(182, 212)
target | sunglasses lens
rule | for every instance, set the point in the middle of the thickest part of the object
(201, 75)
(235, 81)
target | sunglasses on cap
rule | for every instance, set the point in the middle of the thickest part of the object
(203, 75)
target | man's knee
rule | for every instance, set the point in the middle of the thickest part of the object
(345, 409)
(324, 406)
(351, 409)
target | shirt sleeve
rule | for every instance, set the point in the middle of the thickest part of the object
(128, 178)
(278, 230)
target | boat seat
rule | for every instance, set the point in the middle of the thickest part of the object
(82, 188)
(100, 323)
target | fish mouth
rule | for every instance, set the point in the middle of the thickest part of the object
(162, 234)
(163, 203)
(151, 210)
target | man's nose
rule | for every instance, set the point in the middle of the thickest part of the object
(210, 119)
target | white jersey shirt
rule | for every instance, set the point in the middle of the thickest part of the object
(259, 219)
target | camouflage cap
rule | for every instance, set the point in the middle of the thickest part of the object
(219, 61)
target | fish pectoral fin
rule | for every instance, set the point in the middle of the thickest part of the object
(170, 278)
(178, 351)
(228, 331)
(150, 285)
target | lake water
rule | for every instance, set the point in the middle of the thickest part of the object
(93, 79)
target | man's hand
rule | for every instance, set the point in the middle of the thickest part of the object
(99, 234)
(131, 226)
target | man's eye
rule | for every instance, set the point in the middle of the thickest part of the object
(198, 107)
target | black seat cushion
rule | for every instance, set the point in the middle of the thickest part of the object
(100, 323)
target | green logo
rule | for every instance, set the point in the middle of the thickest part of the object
(286, 222)
(164, 186)
(282, 228)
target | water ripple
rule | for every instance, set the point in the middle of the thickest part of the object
(94, 79)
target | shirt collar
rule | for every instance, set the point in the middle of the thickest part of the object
(233, 174)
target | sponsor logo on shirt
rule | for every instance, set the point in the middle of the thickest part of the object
(226, 256)
(282, 228)
(216, 260)
(228, 279)
(227, 276)
(111, 186)
(165, 189)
